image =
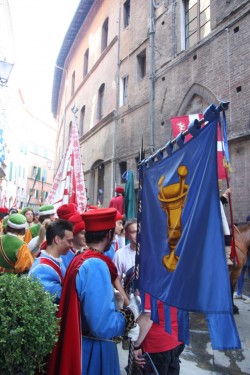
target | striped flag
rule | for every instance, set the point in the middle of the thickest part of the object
(69, 185)
(180, 124)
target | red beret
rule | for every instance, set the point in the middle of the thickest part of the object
(78, 223)
(118, 216)
(119, 189)
(66, 210)
(99, 220)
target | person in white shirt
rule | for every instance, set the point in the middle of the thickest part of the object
(124, 258)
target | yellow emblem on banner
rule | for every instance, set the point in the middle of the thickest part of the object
(172, 199)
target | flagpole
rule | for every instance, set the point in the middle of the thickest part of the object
(231, 215)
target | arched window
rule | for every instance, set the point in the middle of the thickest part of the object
(100, 104)
(126, 13)
(105, 29)
(82, 118)
(86, 63)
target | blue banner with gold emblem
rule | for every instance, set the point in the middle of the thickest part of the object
(181, 259)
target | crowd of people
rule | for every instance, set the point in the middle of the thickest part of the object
(86, 262)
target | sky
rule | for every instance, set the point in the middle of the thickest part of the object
(38, 30)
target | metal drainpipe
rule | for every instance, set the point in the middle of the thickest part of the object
(152, 74)
(113, 173)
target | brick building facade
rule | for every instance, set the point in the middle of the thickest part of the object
(146, 63)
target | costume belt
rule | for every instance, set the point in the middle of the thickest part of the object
(87, 334)
(6, 270)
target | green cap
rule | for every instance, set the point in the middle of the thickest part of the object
(48, 209)
(17, 221)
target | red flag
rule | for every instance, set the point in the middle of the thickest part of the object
(180, 124)
(69, 185)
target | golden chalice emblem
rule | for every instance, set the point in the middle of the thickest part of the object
(172, 200)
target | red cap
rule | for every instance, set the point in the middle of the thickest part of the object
(66, 210)
(99, 220)
(118, 216)
(78, 223)
(119, 189)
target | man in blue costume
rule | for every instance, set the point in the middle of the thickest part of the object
(90, 321)
(48, 267)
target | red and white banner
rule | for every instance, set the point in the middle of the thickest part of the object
(69, 185)
(180, 124)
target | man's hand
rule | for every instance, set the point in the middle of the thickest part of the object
(139, 360)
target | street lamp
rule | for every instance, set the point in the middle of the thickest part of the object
(5, 70)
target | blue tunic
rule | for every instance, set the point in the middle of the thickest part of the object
(48, 276)
(100, 319)
(66, 259)
(111, 251)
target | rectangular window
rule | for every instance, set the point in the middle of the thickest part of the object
(70, 127)
(39, 174)
(44, 175)
(34, 172)
(126, 13)
(11, 171)
(45, 153)
(105, 30)
(124, 91)
(141, 64)
(197, 21)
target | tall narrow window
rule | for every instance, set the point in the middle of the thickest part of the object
(124, 91)
(105, 29)
(73, 83)
(86, 63)
(82, 118)
(123, 168)
(100, 104)
(70, 127)
(141, 64)
(36, 173)
(44, 175)
(197, 21)
(126, 13)
(11, 171)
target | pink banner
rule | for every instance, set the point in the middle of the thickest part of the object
(69, 185)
